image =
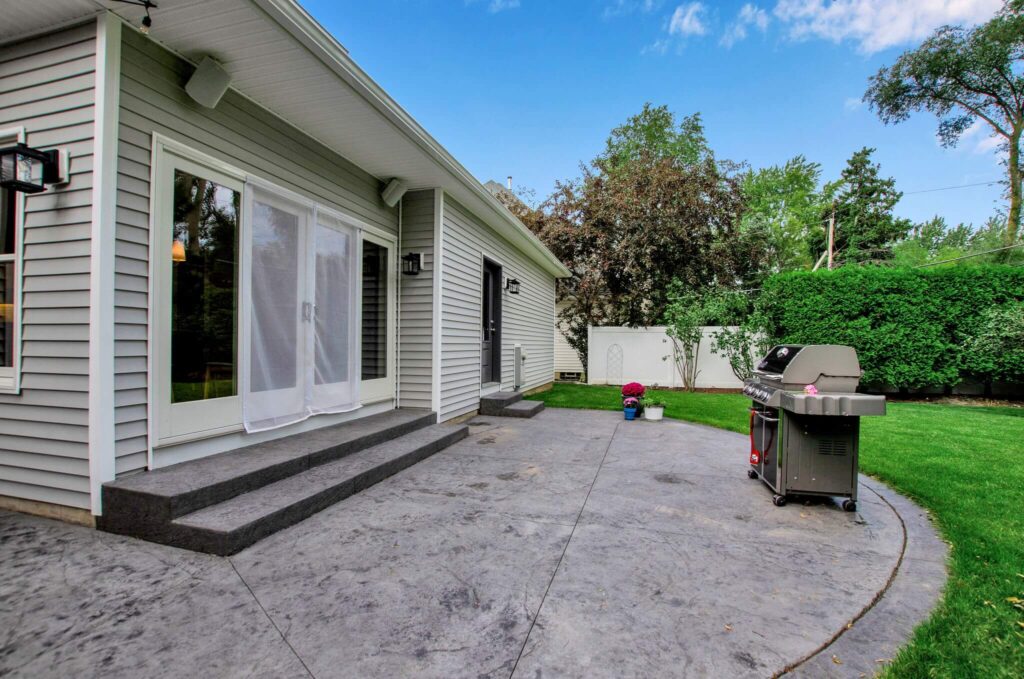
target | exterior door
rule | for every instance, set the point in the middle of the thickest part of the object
(377, 317)
(490, 331)
(197, 223)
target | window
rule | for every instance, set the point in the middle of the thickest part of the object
(8, 287)
(204, 289)
(375, 311)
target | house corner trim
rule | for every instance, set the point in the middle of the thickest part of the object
(437, 316)
(102, 453)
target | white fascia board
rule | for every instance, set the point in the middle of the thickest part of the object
(303, 27)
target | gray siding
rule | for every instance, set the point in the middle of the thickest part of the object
(416, 301)
(47, 87)
(238, 132)
(527, 318)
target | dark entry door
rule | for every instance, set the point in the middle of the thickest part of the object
(490, 331)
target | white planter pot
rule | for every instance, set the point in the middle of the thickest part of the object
(653, 412)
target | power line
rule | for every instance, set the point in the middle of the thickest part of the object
(976, 254)
(948, 188)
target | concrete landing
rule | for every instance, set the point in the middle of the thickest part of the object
(573, 544)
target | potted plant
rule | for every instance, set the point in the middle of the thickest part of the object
(629, 407)
(635, 391)
(653, 409)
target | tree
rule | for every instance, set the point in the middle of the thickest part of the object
(653, 134)
(785, 202)
(862, 203)
(963, 76)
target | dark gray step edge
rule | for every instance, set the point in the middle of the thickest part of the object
(493, 404)
(222, 543)
(522, 409)
(130, 512)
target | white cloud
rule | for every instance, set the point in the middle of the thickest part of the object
(495, 6)
(499, 5)
(656, 47)
(623, 7)
(878, 24)
(852, 103)
(687, 20)
(750, 15)
(980, 138)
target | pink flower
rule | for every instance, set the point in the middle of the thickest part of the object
(810, 389)
(630, 403)
(634, 389)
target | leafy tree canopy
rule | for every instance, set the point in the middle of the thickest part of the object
(653, 134)
(963, 76)
(862, 202)
(784, 200)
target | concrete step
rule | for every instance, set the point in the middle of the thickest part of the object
(522, 409)
(230, 526)
(142, 505)
(493, 404)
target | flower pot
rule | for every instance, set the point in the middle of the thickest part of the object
(654, 412)
(630, 413)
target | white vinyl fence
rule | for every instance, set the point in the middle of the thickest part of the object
(620, 355)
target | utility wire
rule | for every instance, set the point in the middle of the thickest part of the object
(948, 188)
(975, 254)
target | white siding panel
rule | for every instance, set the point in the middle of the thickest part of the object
(566, 358)
(527, 318)
(46, 86)
(238, 132)
(416, 301)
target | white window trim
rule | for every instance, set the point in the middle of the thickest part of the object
(163, 145)
(10, 377)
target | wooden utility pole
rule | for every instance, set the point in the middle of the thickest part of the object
(831, 237)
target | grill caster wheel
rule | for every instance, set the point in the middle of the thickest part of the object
(751, 474)
(849, 506)
(779, 500)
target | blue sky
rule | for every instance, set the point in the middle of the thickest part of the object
(532, 87)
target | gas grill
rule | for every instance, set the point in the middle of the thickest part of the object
(805, 421)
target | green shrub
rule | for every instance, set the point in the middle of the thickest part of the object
(911, 327)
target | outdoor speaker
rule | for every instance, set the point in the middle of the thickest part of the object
(393, 192)
(209, 83)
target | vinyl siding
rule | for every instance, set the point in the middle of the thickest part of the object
(47, 87)
(527, 318)
(566, 358)
(239, 132)
(416, 301)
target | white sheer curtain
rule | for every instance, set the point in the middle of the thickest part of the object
(335, 384)
(302, 347)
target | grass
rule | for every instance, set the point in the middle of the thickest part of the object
(966, 466)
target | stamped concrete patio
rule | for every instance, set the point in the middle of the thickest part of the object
(571, 545)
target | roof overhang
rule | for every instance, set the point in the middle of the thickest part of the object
(282, 59)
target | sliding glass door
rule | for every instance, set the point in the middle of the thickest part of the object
(266, 307)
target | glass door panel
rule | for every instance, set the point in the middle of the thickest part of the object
(204, 289)
(377, 320)
(334, 386)
(196, 320)
(277, 348)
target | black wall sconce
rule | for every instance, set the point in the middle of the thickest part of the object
(412, 264)
(512, 285)
(25, 169)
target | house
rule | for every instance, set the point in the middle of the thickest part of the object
(242, 238)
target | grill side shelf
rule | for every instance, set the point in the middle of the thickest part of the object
(849, 405)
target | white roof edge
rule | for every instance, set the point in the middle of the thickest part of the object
(297, 21)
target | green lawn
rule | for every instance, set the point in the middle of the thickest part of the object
(966, 465)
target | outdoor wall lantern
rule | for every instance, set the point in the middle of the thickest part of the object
(512, 285)
(28, 170)
(412, 264)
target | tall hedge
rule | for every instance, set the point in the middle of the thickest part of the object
(909, 326)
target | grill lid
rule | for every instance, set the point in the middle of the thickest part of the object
(778, 358)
